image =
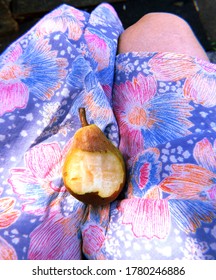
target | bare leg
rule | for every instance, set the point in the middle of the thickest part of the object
(161, 32)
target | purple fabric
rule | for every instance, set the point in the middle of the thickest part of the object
(158, 108)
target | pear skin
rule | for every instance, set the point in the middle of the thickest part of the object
(94, 170)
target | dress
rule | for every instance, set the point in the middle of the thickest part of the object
(158, 108)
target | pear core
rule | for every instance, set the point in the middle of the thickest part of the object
(94, 172)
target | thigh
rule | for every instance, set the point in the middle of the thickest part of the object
(161, 32)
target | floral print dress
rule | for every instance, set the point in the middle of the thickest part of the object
(158, 108)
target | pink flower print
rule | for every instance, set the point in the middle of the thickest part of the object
(144, 173)
(187, 181)
(7, 252)
(205, 154)
(8, 215)
(22, 73)
(201, 86)
(93, 232)
(64, 18)
(172, 67)
(187, 195)
(200, 78)
(93, 239)
(56, 238)
(145, 209)
(146, 119)
(39, 180)
(190, 181)
(14, 93)
(13, 96)
(98, 47)
(192, 190)
(131, 110)
(148, 217)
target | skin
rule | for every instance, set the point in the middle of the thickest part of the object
(161, 32)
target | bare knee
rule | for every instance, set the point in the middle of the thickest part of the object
(161, 32)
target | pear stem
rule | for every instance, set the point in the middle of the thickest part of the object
(82, 116)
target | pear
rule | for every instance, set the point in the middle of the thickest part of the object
(94, 170)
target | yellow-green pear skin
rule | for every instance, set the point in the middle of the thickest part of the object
(94, 170)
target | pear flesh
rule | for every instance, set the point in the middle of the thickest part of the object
(94, 169)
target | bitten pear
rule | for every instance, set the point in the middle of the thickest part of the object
(94, 170)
